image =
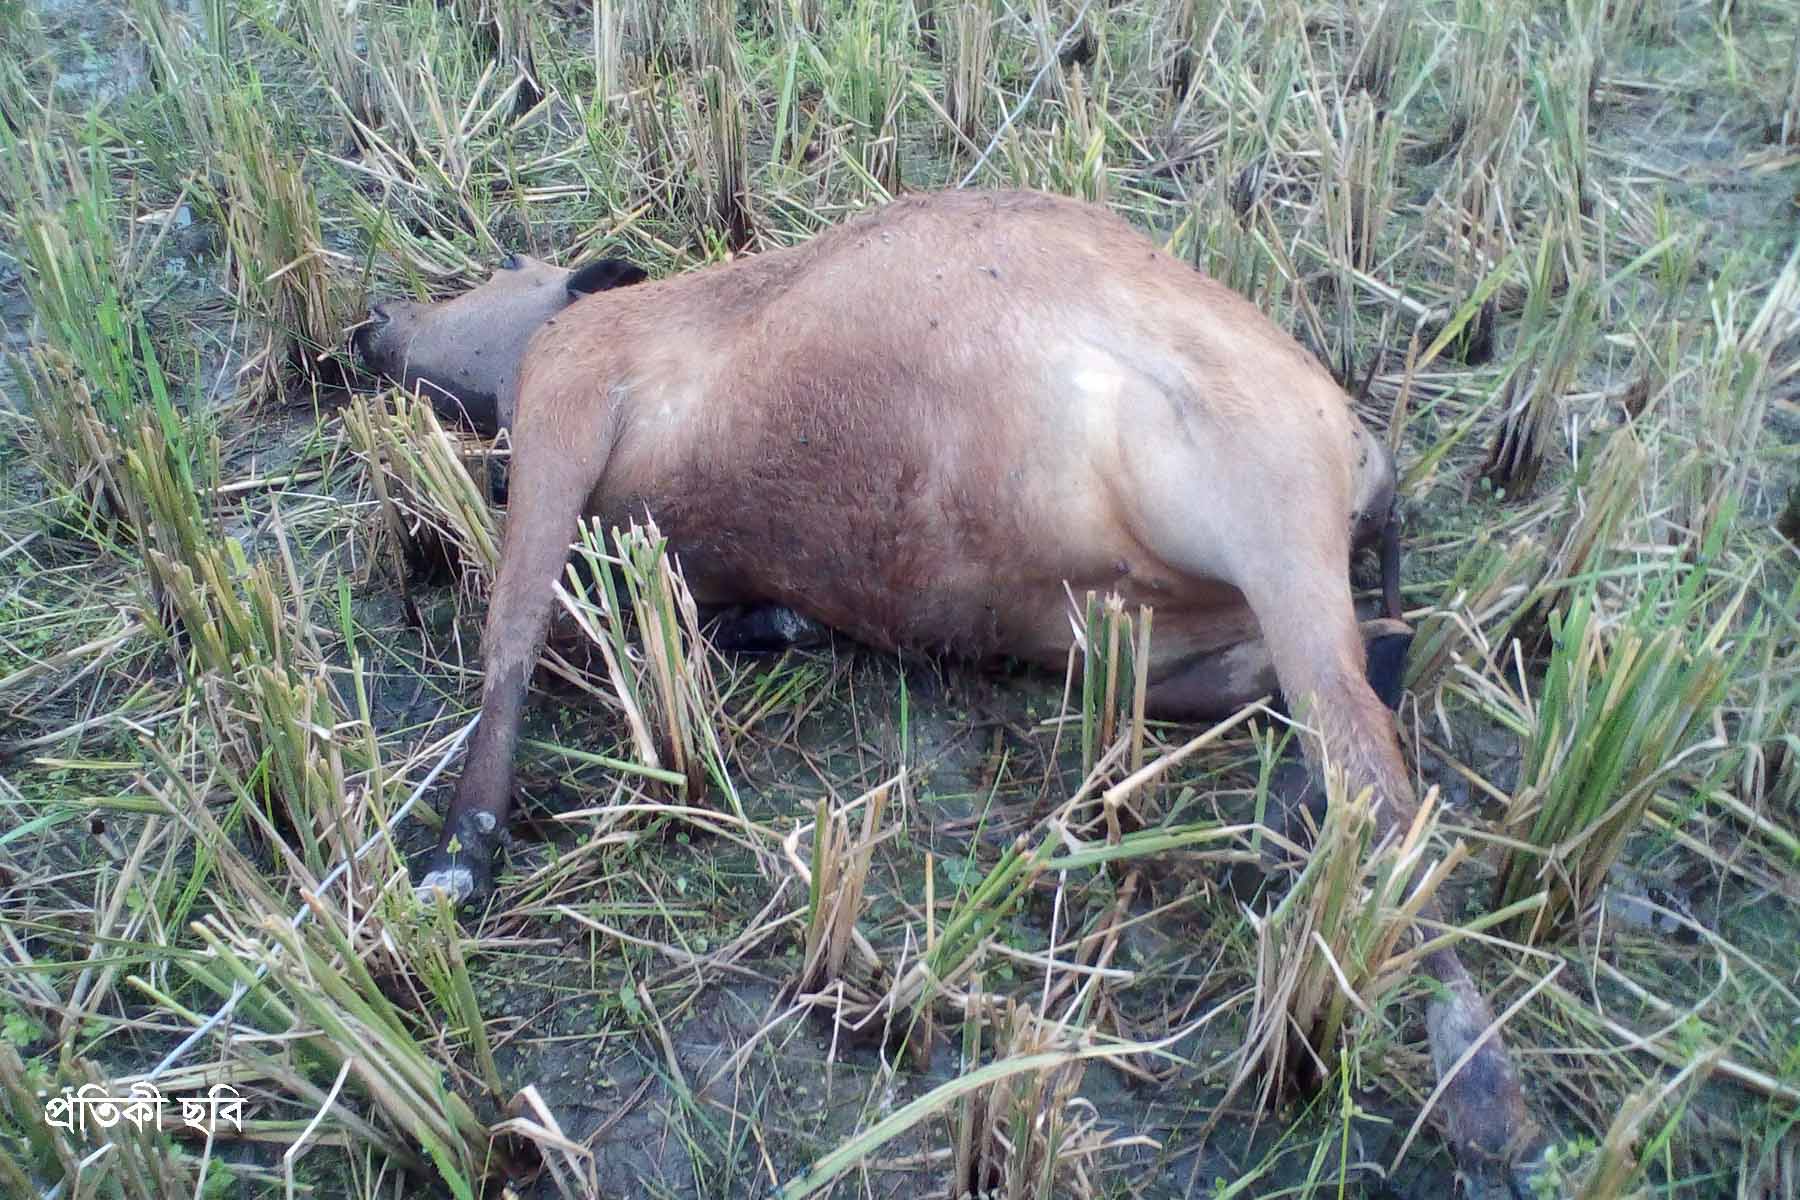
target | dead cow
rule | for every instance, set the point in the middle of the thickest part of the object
(916, 428)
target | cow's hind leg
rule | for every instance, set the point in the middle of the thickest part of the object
(1289, 559)
(1483, 1107)
(1306, 616)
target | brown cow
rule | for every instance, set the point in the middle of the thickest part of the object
(917, 428)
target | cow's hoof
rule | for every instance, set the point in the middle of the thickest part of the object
(1532, 1177)
(462, 873)
(455, 882)
(1522, 1173)
(1502, 1153)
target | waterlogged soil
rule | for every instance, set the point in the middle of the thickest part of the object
(741, 1075)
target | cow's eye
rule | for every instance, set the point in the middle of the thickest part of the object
(511, 262)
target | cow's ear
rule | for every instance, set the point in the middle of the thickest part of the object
(602, 274)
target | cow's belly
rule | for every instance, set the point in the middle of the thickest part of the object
(967, 589)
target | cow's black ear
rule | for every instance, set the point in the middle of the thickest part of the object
(602, 274)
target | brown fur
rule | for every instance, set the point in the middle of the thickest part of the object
(920, 428)
(898, 473)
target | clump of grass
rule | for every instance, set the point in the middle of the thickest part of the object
(1732, 400)
(1385, 38)
(1070, 158)
(1492, 584)
(1606, 498)
(667, 691)
(331, 37)
(302, 756)
(689, 140)
(656, 135)
(719, 160)
(1767, 741)
(1554, 334)
(1516, 586)
(73, 445)
(127, 1158)
(253, 656)
(1328, 956)
(712, 41)
(1501, 591)
(1618, 1165)
(1648, 21)
(440, 952)
(1038, 1171)
(1026, 1135)
(950, 954)
(1484, 71)
(1474, 213)
(1016, 1124)
(1564, 91)
(280, 266)
(250, 651)
(424, 491)
(608, 51)
(1358, 191)
(798, 18)
(1189, 26)
(502, 32)
(59, 209)
(352, 891)
(188, 70)
(835, 886)
(1111, 645)
(193, 575)
(96, 369)
(952, 947)
(1224, 235)
(311, 987)
(24, 73)
(968, 62)
(447, 151)
(1622, 705)
(1359, 147)
(865, 74)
